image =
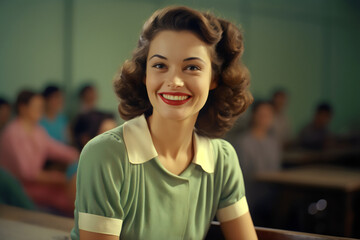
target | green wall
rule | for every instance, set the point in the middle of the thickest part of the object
(311, 48)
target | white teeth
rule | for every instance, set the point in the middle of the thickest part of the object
(174, 97)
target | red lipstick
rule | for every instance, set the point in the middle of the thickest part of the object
(174, 98)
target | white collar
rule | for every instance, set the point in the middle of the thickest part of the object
(140, 147)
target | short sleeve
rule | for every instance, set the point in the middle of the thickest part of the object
(99, 179)
(232, 202)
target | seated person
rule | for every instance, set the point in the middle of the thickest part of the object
(316, 135)
(24, 148)
(281, 126)
(88, 98)
(54, 121)
(259, 151)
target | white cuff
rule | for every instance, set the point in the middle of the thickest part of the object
(233, 211)
(99, 224)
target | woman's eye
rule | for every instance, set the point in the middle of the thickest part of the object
(159, 66)
(192, 68)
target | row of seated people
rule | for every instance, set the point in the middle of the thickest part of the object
(25, 146)
(260, 142)
(37, 136)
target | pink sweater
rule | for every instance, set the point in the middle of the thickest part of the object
(24, 154)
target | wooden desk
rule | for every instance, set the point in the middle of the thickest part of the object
(322, 176)
(304, 156)
(343, 181)
(17, 219)
(37, 224)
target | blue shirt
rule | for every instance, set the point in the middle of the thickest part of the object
(56, 128)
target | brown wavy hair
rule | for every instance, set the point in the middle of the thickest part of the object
(225, 103)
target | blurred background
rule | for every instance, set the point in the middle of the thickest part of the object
(304, 59)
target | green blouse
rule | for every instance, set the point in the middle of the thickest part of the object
(123, 189)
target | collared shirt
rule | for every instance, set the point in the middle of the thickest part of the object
(124, 190)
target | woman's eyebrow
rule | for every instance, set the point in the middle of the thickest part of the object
(158, 55)
(193, 58)
(186, 59)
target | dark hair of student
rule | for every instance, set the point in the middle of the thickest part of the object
(255, 107)
(278, 92)
(84, 89)
(50, 90)
(225, 103)
(324, 107)
(258, 103)
(88, 124)
(24, 98)
(3, 101)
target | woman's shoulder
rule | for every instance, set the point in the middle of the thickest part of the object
(224, 153)
(115, 134)
(106, 147)
(226, 161)
(221, 146)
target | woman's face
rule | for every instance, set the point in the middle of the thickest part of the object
(56, 101)
(263, 116)
(178, 74)
(34, 110)
(90, 97)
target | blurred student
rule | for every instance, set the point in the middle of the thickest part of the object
(54, 121)
(88, 98)
(259, 151)
(12, 192)
(24, 148)
(87, 126)
(281, 126)
(316, 135)
(5, 113)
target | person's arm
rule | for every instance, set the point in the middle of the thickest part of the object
(241, 228)
(59, 151)
(85, 235)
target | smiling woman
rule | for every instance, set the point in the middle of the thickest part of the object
(163, 175)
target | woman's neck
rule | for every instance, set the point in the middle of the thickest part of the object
(171, 138)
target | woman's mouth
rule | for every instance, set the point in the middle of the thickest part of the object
(174, 98)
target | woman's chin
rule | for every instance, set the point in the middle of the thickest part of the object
(176, 115)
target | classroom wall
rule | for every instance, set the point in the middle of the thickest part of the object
(308, 47)
(31, 45)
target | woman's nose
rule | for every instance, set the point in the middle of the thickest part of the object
(175, 81)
